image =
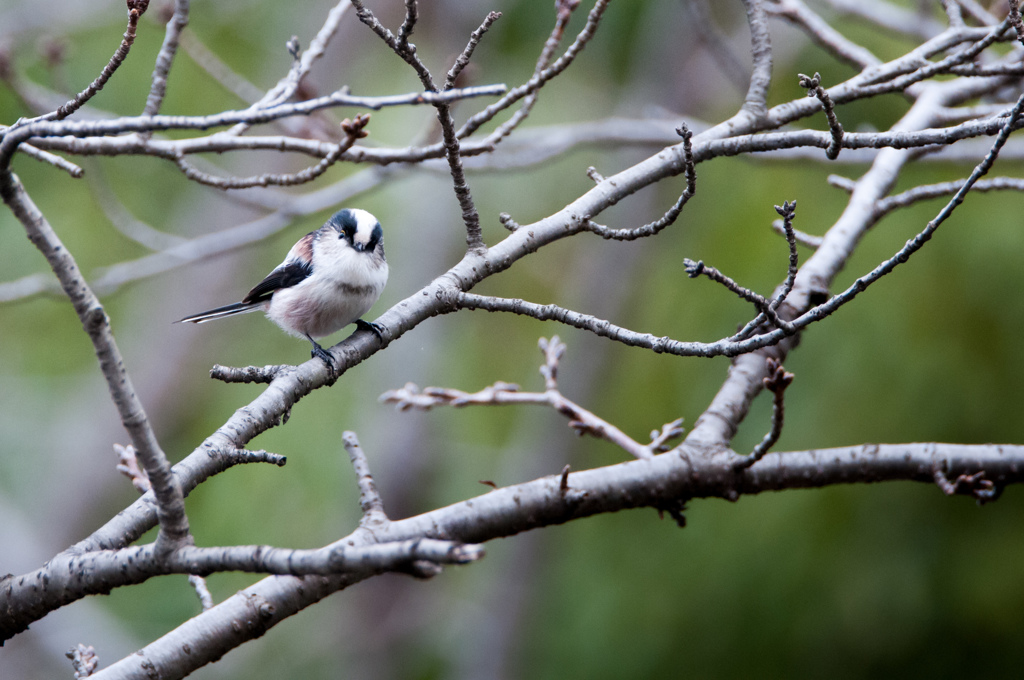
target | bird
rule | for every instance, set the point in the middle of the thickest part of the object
(329, 279)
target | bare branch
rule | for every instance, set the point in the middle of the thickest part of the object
(502, 393)
(170, 500)
(514, 509)
(19, 134)
(248, 374)
(353, 130)
(755, 102)
(453, 154)
(695, 269)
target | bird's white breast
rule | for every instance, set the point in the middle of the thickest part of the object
(343, 286)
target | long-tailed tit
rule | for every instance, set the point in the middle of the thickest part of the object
(329, 279)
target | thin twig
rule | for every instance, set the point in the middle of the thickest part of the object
(670, 216)
(538, 80)
(463, 59)
(788, 211)
(353, 130)
(814, 89)
(135, 10)
(165, 58)
(806, 240)
(470, 216)
(198, 584)
(776, 382)
(580, 419)
(52, 159)
(695, 269)
(929, 191)
(370, 501)
(287, 86)
(823, 34)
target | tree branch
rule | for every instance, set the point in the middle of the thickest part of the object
(174, 529)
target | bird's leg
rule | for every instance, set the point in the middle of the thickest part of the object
(371, 326)
(320, 352)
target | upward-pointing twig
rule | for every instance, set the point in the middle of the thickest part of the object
(135, 10)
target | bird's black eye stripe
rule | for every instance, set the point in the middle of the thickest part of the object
(375, 237)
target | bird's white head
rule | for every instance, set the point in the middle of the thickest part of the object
(359, 228)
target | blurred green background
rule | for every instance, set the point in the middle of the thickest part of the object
(860, 582)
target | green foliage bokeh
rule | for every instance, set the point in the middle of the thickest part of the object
(856, 582)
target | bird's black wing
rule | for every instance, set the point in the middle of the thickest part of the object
(285, 276)
(297, 266)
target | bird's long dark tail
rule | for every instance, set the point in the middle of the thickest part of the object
(221, 312)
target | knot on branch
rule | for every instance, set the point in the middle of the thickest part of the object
(675, 509)
(810, 82)
(94, 319)
(128, 465)
(981, 489)
(553, 350)
(787, 210)
(814, 89)
(410, 396)
(668, 432)
(248, 374)
(354, 128)
(778, 378)
(693, 269)
(565, 8)
(507, 221)
(83, 658)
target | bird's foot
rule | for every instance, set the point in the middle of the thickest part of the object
(322, 354)
(371, 326)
